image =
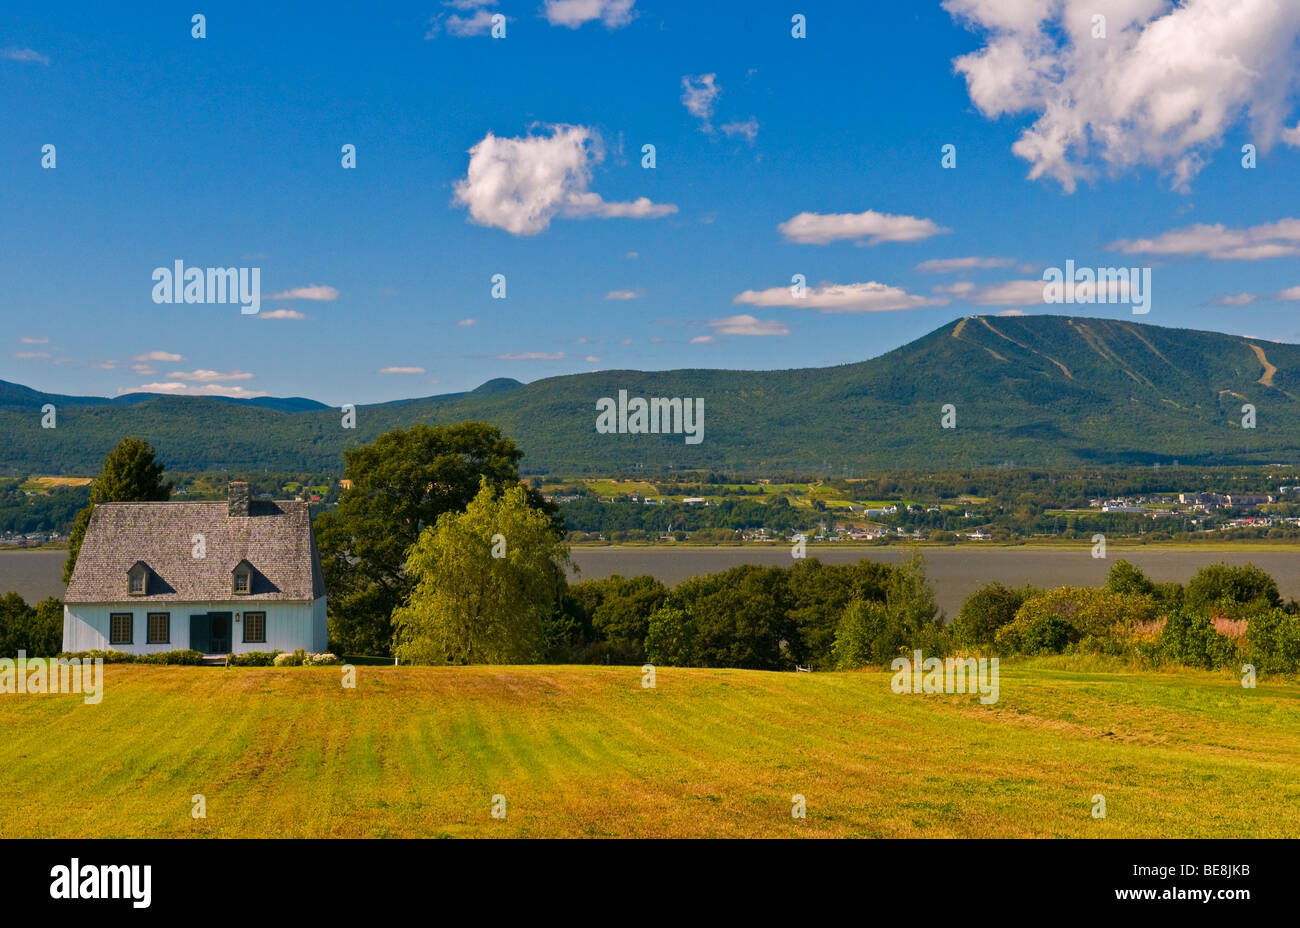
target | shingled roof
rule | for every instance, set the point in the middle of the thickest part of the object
(275, 538)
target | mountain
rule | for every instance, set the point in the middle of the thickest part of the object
(1027, 390)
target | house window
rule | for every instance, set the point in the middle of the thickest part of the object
(160, 628)
(119, 627)
(254, 627)
(241, 581)
(137, 583)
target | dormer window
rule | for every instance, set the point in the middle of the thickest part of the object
(137, 579)
(243, 578)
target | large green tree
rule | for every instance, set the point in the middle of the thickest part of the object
(129, 474)
(400, 484)
(487, 582)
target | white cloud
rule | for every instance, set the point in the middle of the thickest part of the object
(868, 297)
(1271, 240)
(186, 389)
(32, 355)
(1239, 299)
(1008, 293)
(310, 292)
(27, 340)
(402, 370)
(575, 13)
(1160, 90)
(699, 94)
(1011, 312)
(591, 359)
(949, 265)
(478, 23)
(159, 356)
(870, 227)
(701, 339)
(533, 356)
(282, 314)
(1289, 294)
(747, 325)
(521, 184)
(623, 295)
(143, 369)
(25, 55)
(204, 376)
(467, 322)
(748, 129)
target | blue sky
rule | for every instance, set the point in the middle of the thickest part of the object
(376, 281)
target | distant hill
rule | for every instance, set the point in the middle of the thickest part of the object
(1028, 390)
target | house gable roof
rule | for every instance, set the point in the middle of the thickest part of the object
(275, 538)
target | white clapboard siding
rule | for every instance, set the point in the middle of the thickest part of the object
(289, 626)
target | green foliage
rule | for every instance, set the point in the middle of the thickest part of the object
(620, 610)
(987, 610)
(1222, 586)
(1127, 580)
(402, 483)
(670, 638)
(1273, 642)
(1053, 620)
(1189, 638)
(253, 659)
(469, 606)
(129, 474)
(173, 658)
(36, 631)
(742, 618)
(867, 634)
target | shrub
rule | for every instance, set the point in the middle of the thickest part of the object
(1128, 580)
(253, 659)
(1224, 586)
(1054, 620)
(183, 658)
(108, 657)
(291, 660)
(1273, 642)
(1189, 638)
(987, 610)
(320, 660)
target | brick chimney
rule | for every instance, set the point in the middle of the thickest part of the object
(237, 499)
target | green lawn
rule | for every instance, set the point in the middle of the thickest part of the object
(587, 751)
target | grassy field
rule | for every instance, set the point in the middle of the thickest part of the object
(581, 751)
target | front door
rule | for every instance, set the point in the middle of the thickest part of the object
(219, 636)
(199, 633)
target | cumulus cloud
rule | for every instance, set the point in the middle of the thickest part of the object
(747, 325)
(951, 265)
(310, 292)
(205, 376)
(521, 184)
(401, 370)
(1007, 293)
(869, 228)
(1160, 90)
(28, 340)
(478, 22)
(25, 55)
(623, 295)
(178, 388)
(282, 314)
(1279, 239)
(158, 356)
(1289, 294)
(467, 322)
(699, 94)
(870, 297)
(533, 356)
(576, 13)
(32, 355)
(701, 339)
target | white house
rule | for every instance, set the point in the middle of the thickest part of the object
(217, 577)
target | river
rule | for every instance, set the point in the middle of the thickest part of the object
(955, 572)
